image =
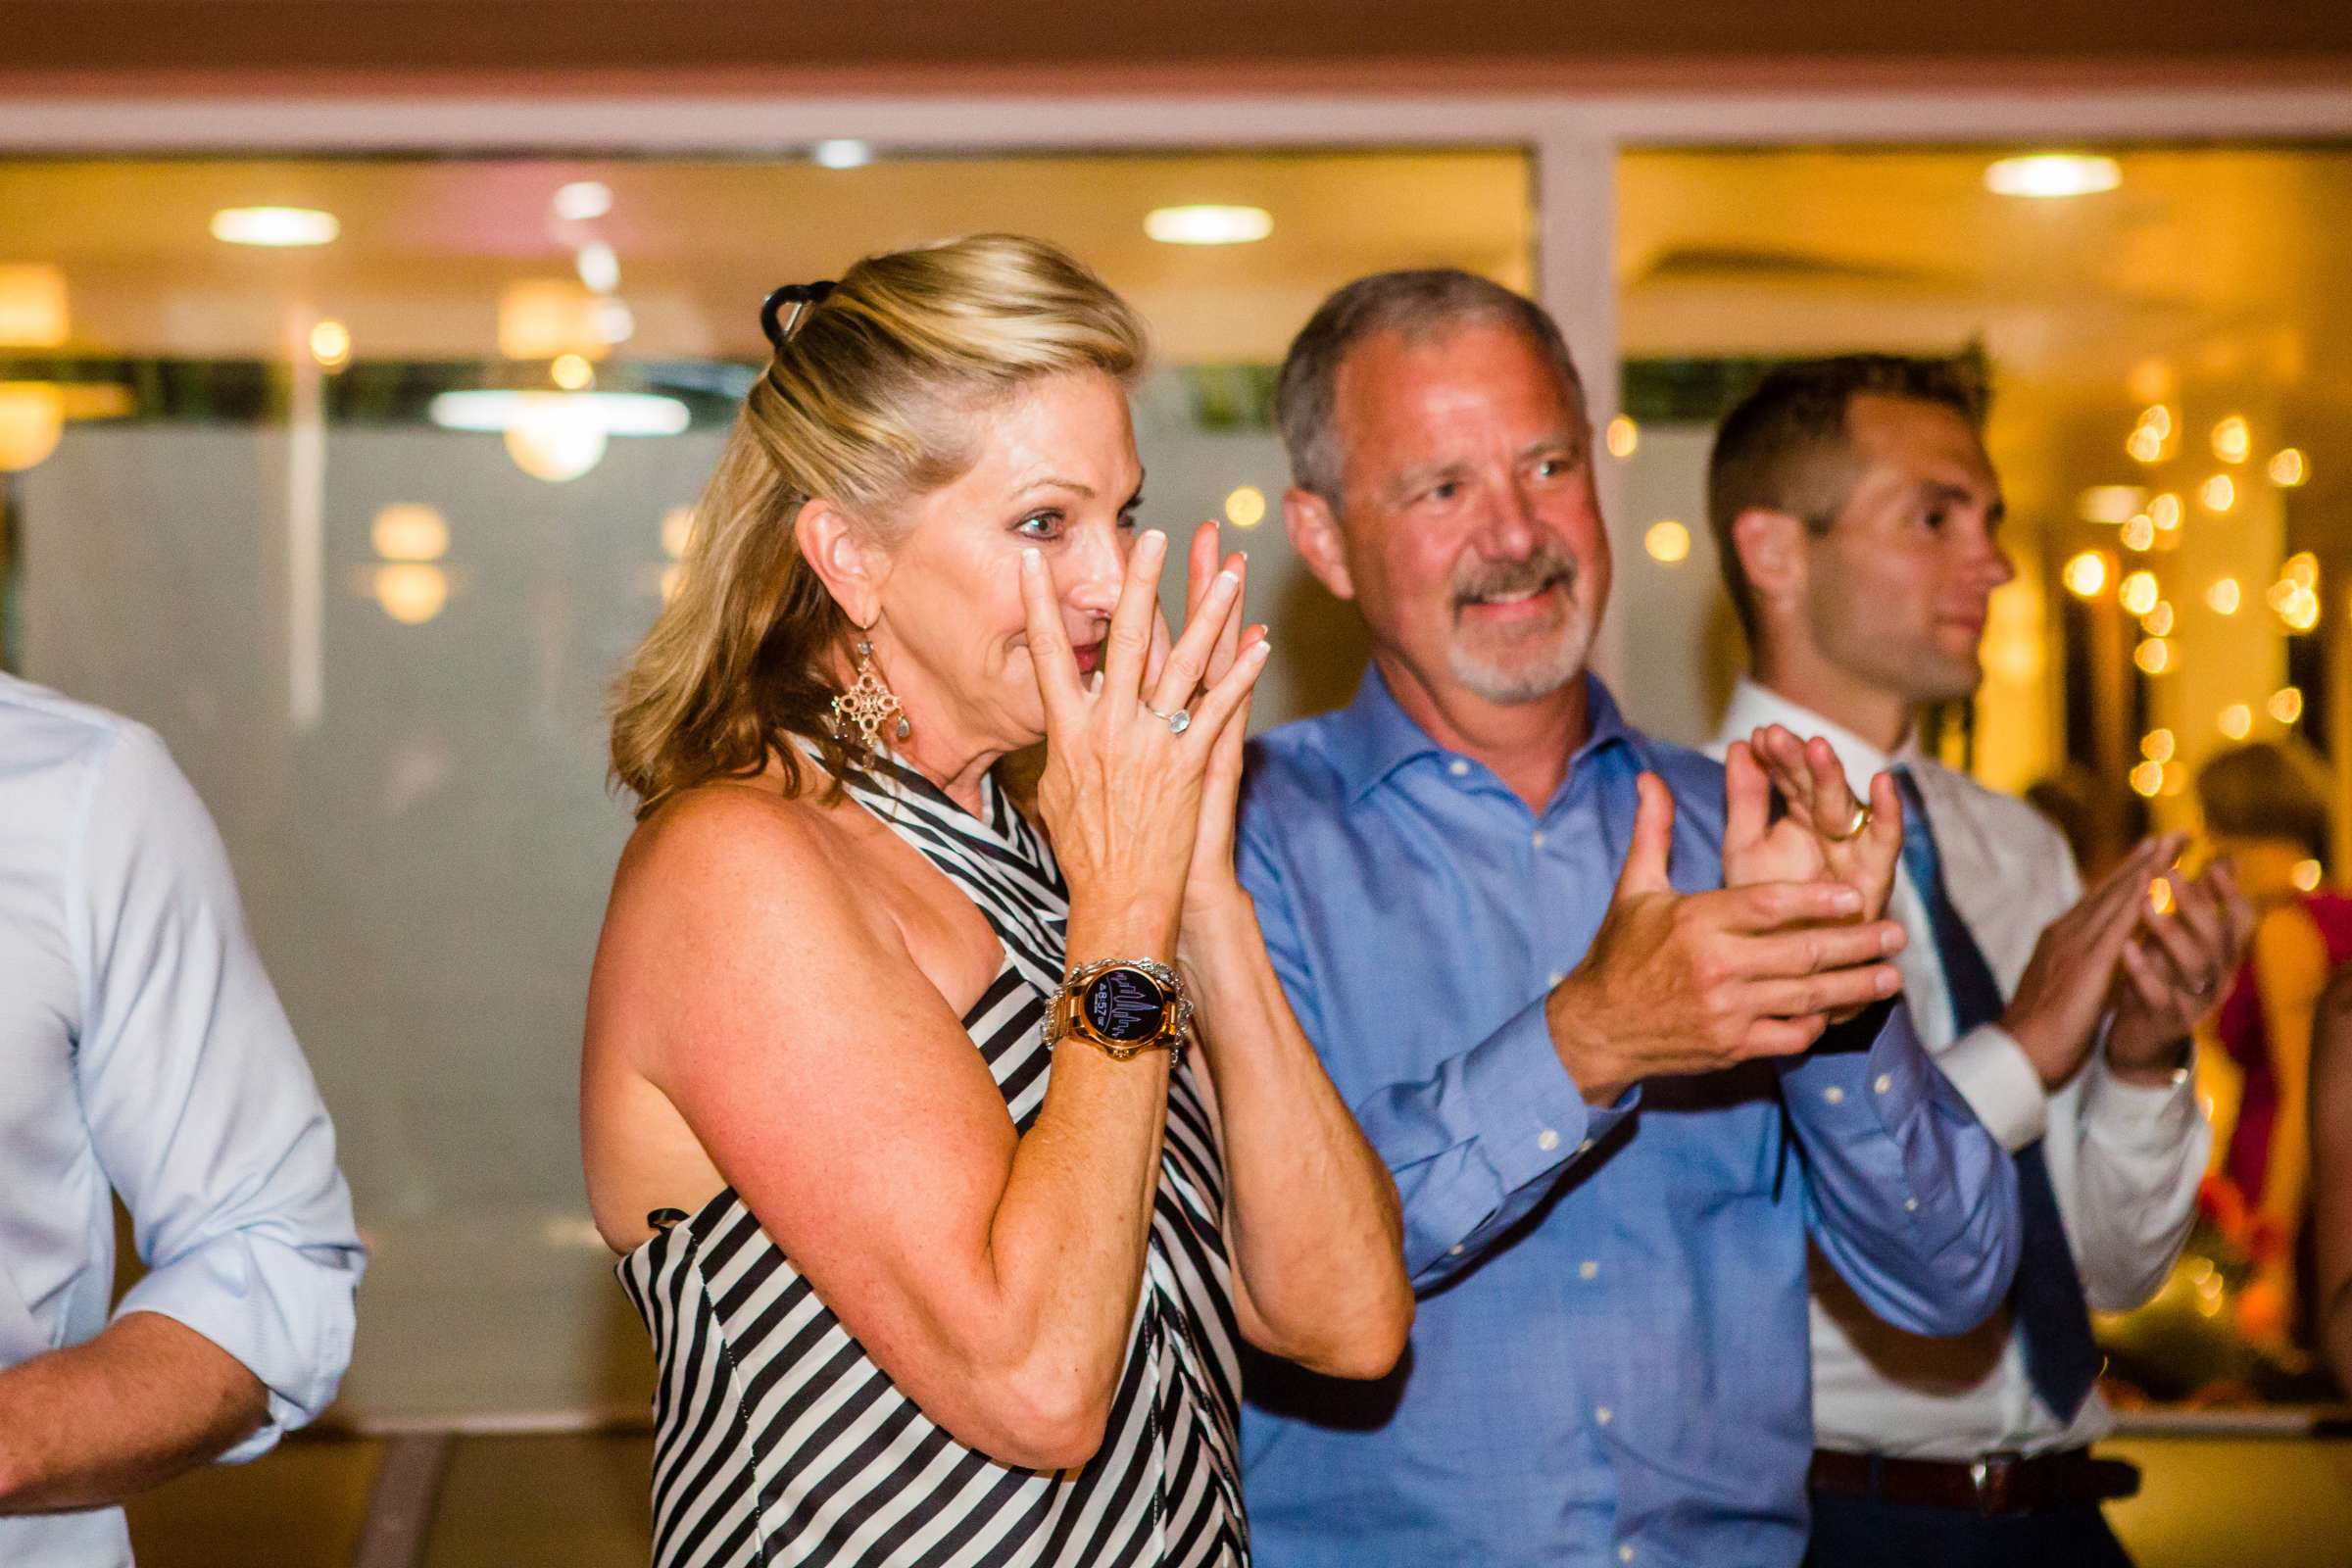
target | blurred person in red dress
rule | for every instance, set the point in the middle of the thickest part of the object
(2266, 810)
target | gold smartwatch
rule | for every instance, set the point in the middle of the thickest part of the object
(1122, 1007)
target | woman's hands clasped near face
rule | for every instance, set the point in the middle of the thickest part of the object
(1125, 793)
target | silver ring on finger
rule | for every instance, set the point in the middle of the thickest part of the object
(1178, 722)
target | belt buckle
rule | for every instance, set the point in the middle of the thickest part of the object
(1989, 1476)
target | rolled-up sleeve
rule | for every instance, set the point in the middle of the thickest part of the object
(1477, 1143)
(201, 1107)
(1906, 1193)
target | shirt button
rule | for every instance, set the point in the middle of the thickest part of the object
(1625, 1553)
(1536, 839)
(1910, 1206)
(1455, 1251)
(1547, 1139)
(1833, 1095)
(1587, 1269)
(1602, 1415)
(1458, 769)
(1885, 1081)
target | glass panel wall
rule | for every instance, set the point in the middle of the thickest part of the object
(2173, 430)
(358, 478)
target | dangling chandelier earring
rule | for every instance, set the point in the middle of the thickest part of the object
(868, 705)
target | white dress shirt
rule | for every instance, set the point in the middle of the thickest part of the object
(142, 1050)
(2124, 1159)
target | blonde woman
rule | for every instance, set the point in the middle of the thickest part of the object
(951, 1148)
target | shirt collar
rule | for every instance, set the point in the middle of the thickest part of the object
(1372, 736)
(1754, 706)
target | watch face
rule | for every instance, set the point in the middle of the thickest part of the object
(1124, 1005)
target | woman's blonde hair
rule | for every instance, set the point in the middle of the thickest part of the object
(869, 401)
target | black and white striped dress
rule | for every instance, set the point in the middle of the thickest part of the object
(779, 1441)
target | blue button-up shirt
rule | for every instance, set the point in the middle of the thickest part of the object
(1609, 1363)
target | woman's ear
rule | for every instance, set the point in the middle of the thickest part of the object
(845, 558)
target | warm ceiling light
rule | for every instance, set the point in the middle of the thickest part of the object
(32, 421)
(32, 306)
(610, 413)
(1209, 224)
(2232, 439)
(598, 266)
(582, 199)
(841, 151)
(410, 593)
(2306, 875)
(571, 372)
(275, 225)
(1623, 436)
(2223, 597)
(2217, 494)
(2110, 503)
(554, 451)
(2048, 174)
(541, 317)
(409, 530)
(2287, 469)
(1246, 508)
(2086, 574)
(1667, 541)
(2237, 722)
(2137, 593)
(330, 345)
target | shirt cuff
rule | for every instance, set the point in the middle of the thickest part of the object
(1530, 1115)
(1870, 1083)
(1997, 1079)
(284, 1313)
(2139, 1118)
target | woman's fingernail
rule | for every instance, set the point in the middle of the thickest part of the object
(1258, 648)
(1889, 982)
(1030, 557)
(1230, 577)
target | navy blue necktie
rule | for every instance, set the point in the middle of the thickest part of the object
(2046, 1302)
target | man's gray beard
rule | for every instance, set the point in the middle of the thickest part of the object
(1527, 683)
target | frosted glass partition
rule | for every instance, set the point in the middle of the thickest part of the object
(396, 714)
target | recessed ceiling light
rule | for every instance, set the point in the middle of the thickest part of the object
(841, 151)
(1209, 224)
(2048, 174)
(582, 199)
(275, 225)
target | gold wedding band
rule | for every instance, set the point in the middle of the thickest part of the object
(1861, 820)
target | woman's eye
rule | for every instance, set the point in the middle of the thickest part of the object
(1039, 524)
(1127, 522)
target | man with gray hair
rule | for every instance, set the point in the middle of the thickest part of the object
(1626, 1040)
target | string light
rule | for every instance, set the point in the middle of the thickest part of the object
(2223, 597)
(2165, 511)
(1667, 541)
(2287, 469)
(2237, 721)
(1623, 436)
(2217, 494)
(573, 372)
(2147, 778)
(330, 345)
(2137, 593)
(2286, 704)
(1246, 507)
(2138, 532)
(2158, 621)
(2086, 574)
(2232, 440)
(2305, 876)
(2154, 657)
(2157, 746)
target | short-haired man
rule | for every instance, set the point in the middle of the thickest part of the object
(1587, 1067)
(142, 1051)
(1856, 513)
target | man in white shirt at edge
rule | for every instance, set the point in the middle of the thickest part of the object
(1854, 512)
(142, 1050)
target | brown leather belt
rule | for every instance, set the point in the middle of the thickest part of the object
(1997, 1483)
